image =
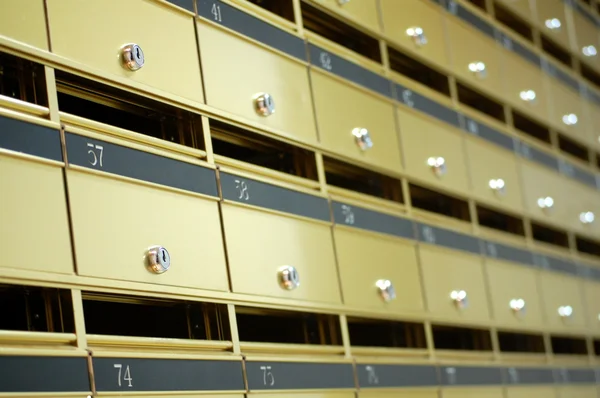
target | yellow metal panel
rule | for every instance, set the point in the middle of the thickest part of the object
(362, 11)
(35, 229)
(519, 7)
(115, 222)
(549, 10)
(530, 392)
(577, 392)
(340, 109)
(259, 243)
(586, 35)
(558, 291)
(25, 21)
(262, 71)
(363, 259)
(564, 103)
(93, 33)
(592, 300)
(472, 393)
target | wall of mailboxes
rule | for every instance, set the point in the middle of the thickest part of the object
(343, 192)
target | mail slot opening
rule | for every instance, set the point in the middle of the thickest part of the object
(589, 74)
(597, 347)
(324, 24)
(282, 8)
(587, 246)
(553, 236)
(36, 309)
(382, 333)
(418, 71)
(354, 178)
(463, 339)
(598, 159)
(480, 102)
(249, 147)
(573, 148)
(22, 79)
(530, 127)
(513, 22)
(436, 202)
(556, 51)
(569, 345)
(260, 325)
(119, 108)
(479, 4)
(500, 221)
(521, 342)
(133, 316)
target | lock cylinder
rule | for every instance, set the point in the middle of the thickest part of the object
(288, 276)
(264, 104)
(132, 57)
(158, 259)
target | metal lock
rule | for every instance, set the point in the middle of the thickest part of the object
(589, 51)
(517, 305)
(570, 119)
(362, 138)
(478, 68)
(158, 259)
(264, 104)
(545, 203)
(386, 290)
(528, 96)
(565, 311)
(418, 35)
(288, 277)
(438, 165)
(460, 298)
(587, 217)
(132, 57)
(498, 185)
(553, 23)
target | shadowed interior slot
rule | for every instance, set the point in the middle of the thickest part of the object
(597, 347)
(436, 202)
(463, 339)
(556, 51)
(568, 345)
(246, 146)
(418, 71)
(530, 127)
(589, 74)
(587, 246)
(282, 8)
(36, 309)
(479, 4)
(339, 32)
(120, 315)
(344, 175)
(381, 333)
(262, 325)
(500, 221)
(480, 102)
(573, 148)
(552, 236)
(22, 79)
(512, 21)
(521, 342)
(120, 108)
(598, 159)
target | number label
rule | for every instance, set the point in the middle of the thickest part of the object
(372, 375)
(348, 214)
(566, 168)
(428, 234)
(325, 60)
(242, 187)
(507, 42)
(451, 374)
(513, 374)
(525, 151)
(268, 377)
(124, 376)
(472, 127)
(407, 98)
(492, 250)
(96, 153)
(216, 12)
(452, 7)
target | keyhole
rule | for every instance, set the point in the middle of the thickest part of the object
(164, 256)
(137, 53)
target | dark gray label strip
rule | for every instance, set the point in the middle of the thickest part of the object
(424, 104)
(127, 162)
(298, 376)
(449, 239)
(470, 376)
(23, 374)
(185, 4)
(508, 253)
(487, 133)
(585, 13)
(349, 71)
(554, 71)
(385, 376)
(591, 95)
(581, 376)
(529, 376)
(561, 376)
(575, 172)
(32, 139)
(252, 192)
(252, 27)
(522, 51)
(136, 374)
(555, 264)
(533, 154)
(471, 19)
(359, 217)
(588, 273)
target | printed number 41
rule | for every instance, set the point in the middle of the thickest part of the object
(216, 12)
(125, 376)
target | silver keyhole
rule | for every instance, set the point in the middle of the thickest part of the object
(362, 138)
(288, 276)
(132, 57)
(158, 259)
(264, 104)
(386, 290)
